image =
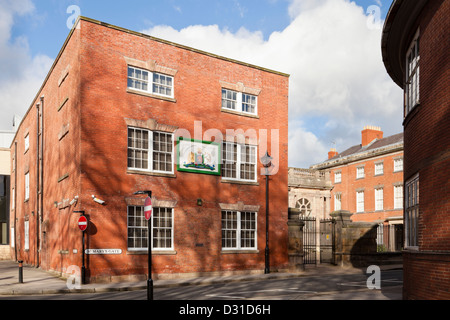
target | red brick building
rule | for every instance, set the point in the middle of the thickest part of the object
(416, 46)
(121, 112)
(367, 180)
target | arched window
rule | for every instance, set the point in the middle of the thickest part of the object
(305, 207)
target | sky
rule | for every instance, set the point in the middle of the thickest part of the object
(330, 48)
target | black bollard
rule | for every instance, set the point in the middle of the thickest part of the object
(20, 271)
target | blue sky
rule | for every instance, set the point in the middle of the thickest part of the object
(46, 29)
(330, 48)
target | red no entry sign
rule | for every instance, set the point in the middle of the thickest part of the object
(82, 223)
(148, 208)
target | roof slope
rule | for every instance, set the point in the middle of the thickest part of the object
(357, 152)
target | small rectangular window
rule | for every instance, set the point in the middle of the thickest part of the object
(26, 235)
(398, 165)
(360, 201)
(337, 201)
(27, 142)
(412, 85)
(398, 197)
(229, 99)
(239, 101)
(359, 172)
(379, 199)
(151, 82)
(337, 177)
(27, 186)
(379, 168)
(249, 103)
(411, 212)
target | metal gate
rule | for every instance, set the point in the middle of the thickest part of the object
(309, 240)
(327, 233)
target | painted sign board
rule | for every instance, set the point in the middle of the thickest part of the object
(199, 156)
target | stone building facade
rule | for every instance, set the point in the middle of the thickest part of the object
(309, 192)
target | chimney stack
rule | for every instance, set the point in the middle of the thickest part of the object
(333, 153)
(369, 134)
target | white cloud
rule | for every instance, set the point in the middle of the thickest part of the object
(305, 147)
(336, 69)
(21, 75)
(300, 6)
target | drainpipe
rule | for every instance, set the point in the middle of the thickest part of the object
(41, 211)
(15, 200)
(41, 173)
(37, 184)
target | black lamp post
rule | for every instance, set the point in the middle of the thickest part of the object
(266, 160)
(149, 244)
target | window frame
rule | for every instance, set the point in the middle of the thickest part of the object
(26, 141)
(379, 199)
(360, 172)
(337, 200)
(238, 161)
(411, 212)
(398, 197)
(398, 167)
(359, 201)
(379, 169)
(239, 102)
(13, 198)
(144, 229)
(26, 235)
(412, 75)
(151, 82)
(239, 230)
(336, 175)
(27, 186)
(150, 150)
(304, 205)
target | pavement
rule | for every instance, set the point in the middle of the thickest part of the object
(37, 281)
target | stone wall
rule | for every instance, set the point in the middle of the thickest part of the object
(355, 242)
(295, 245)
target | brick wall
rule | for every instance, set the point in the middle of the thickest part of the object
(426, 276)
(59, 106)
(350, 184)
(86, 154)
(427, 152)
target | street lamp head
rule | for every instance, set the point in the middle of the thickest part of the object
(266, 160)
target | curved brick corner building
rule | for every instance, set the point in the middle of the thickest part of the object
(416, 46)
